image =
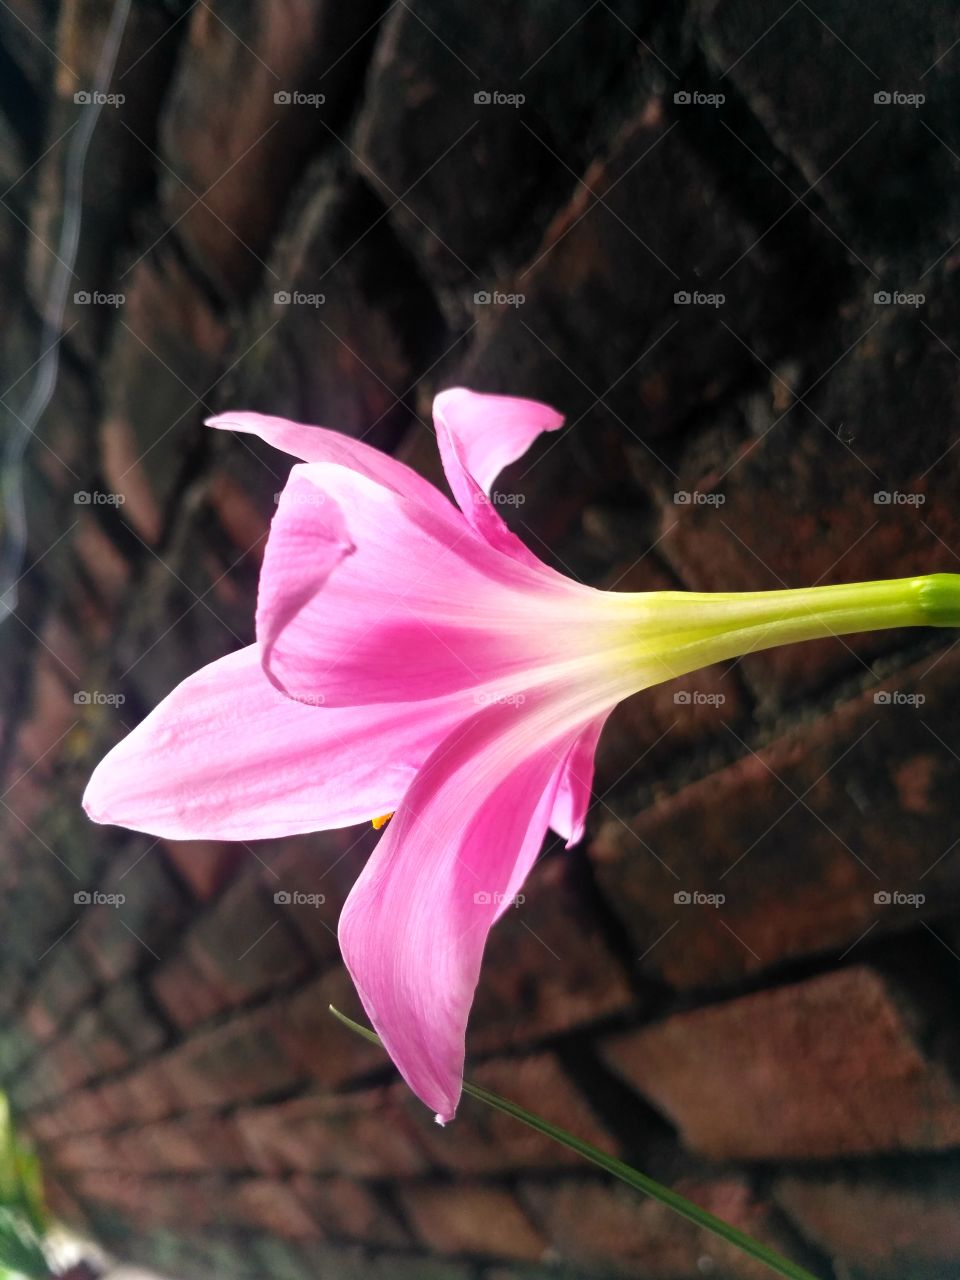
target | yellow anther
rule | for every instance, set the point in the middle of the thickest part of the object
(381, 822)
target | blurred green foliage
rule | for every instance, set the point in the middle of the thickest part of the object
(23, 1216)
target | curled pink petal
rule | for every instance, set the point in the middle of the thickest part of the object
(227, 756)
(478, 435)
(415, 924)
(420, 609)
(319, 444)
(569, 816)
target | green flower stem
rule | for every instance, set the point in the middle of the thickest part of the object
(632, 1177)
(680, 631)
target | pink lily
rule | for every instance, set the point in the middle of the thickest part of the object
(417, 657)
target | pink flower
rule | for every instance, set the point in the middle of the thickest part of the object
(414, 657)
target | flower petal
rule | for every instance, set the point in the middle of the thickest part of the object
(414, 927)
(319, 444)
(478, 435)
(227, 756)
(569, 815)
(482, 434)
(421, 608)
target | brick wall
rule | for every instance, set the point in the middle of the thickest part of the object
(789, 1058)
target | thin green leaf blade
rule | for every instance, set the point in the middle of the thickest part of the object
(632, 1177)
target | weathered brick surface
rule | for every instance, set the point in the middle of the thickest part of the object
(347, 1209)
(800, 489)
(878, 1225)
(491, 192)
(166, 354)
(486, 1141)
(365, 1134)
(609, 1229)
(547, 966)
(214, 183)
(244, 945)
(837, 1064)
(470, 1218)
(172, 1054)
(835, 140)
(801, 869)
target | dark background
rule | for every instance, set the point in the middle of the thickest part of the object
(787, 1058)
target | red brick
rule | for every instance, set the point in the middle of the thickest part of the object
(185, 994)
(119, 151)
(245, 521)
(194, 1143)
(80, 1112)
(363, 1134)
(153, 1202)
(266, 49)
(767, 66)
(76, 1063)
(206, 865)
(799, 495)
(883, 1226)
(118, 939)
(40, 741)
(236, 1062)
(101, 560)
(324, 865)
(244, 946)
(127, 1014)
(575, 281)
(65, 985)
(547, 966)
(608, 1229)
(469, 1218)
(348, 1210)
(93, 1035)
(271, 1207)
(310, 1039)
(485, 1141)
(829, 1067)
(85, 1151)
(149, 1093)
(799, 877)
(162, 361)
